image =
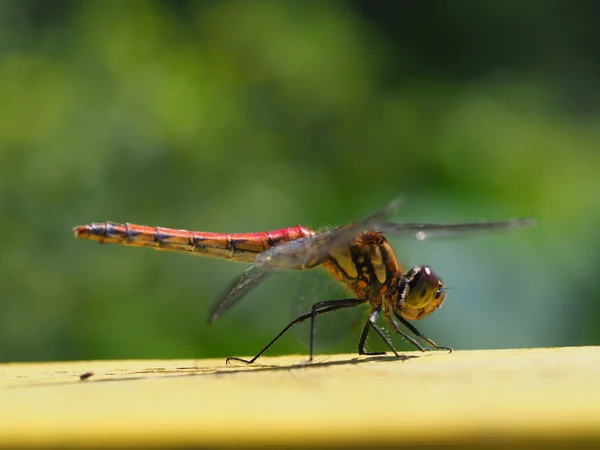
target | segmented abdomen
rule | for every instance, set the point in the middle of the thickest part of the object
(234, 246)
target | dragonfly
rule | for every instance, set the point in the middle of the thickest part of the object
(357, 254)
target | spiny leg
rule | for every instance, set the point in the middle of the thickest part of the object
(405, 336)
(417, 333)
(370, 323)
(327, 306)
(363, 340)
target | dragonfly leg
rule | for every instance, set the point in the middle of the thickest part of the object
(405, 336)
(337, 304)
(363, 340)
(317, 310)
(370, 323)
(417, 333)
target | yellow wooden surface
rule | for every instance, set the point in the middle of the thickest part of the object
(533, 396)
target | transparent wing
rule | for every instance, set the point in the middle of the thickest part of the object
(312, 251)
(336, 330)
(299, 254)
(423, 231)
(253, 275)
(309, 252)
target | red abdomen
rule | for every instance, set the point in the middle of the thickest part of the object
(235, 246)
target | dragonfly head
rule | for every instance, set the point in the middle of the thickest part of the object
(421, 291)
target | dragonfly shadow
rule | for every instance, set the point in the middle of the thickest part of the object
(197, 371)
(316, 364)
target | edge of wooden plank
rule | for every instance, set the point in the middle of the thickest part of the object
(521, 396)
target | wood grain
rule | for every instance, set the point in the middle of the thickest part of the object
(526, 397)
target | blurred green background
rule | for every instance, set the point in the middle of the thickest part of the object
(255, 115)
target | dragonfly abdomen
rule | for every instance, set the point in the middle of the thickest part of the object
(235, 246)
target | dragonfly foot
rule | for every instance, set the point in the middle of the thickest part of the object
(232, 358)
(373, 353)
(428, 349)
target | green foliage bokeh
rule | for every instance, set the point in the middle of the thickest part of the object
(255, 115)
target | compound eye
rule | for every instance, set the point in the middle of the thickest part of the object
(423, 288)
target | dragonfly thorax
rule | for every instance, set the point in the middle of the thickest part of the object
(420, 293)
